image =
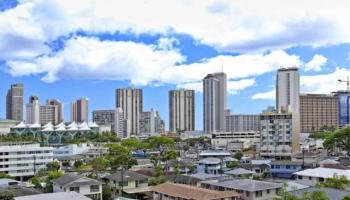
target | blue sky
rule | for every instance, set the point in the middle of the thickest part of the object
(67, 49)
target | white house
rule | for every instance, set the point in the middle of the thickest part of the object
(313, 176)
(71, 182)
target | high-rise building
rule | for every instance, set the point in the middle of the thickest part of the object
(113, 118)
(214, 102)
(151, 122)
(130, 100)
(288, 100)
(33, 110)
(242, 123)
(60, 112)
(181, 110)
(287, 90)
(49, 114)
(276, 135)
(80, 110)
(14, 102)
(318, 111)
(343, 107)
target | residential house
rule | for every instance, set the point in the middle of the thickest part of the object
(55, 196)
(213, 165)
(81, 184)
(239, 172)
(247, 188)
(284, 169)
(170, 191)
(129, 182)
(313, 176)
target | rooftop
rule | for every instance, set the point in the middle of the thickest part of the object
(332, 193)
(72, 179)
(324, 172)
(55, 196)
(239, 171)
(245, 184)
(192, 192)
(127, 175)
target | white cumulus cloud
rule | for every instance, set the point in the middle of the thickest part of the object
(316, 63)
(269, 95)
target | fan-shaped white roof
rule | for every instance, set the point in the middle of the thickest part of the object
(48, 128)
(93, 125)
(35, 125)
(21, 125)
(60, 125)
(73, 128)
(48, 125)
(84, 124)
(61, 128)
(73, 124)
(85, 128)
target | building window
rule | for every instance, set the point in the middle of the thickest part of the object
(310, 177)
(247, 193)
(258, 194)
(94, 188)
(300, 177)
(268, 191)
(75, 189)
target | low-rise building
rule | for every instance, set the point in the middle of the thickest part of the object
(22, 160)
(226, 140)
(5, 125)
(69, 150)
(169, 191)
(71, 182)
(214, 154)
(213, 165)
(284, 169)
(313, 176)
(55, 196)
(247, 188)
(128, 182)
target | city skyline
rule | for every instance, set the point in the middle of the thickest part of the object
(163, 59)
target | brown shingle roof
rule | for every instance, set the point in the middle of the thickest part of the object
(191, 192)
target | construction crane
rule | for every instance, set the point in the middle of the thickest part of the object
(347, 83)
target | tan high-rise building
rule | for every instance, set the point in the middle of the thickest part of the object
(317, 111)
(33, 110)
(288, 100)
(14, 102)
(214, 102)
(130, 100)
(182, 110)
(49, 114)
(60, 113)
(80, 110)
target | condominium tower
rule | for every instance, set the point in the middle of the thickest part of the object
(33, 110)
(60, 112)
(80, 110)
(181, 110)
(49, 114)
(214, 102)
(151, 122)
(130, 100)
(14, 102)
(318, 111)
(288, 100)
(343, 107)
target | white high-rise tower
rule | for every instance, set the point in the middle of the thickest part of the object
(33, 110)
(214, 102)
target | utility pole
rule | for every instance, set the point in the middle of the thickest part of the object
(34, 164)
(347, 81)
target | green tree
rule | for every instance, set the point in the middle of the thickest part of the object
(157, 142)
(78, 163)
(233, 164)
(338, 182)
(177, 169)
(238, 155)
(3, 175)
(6, 195)
(284, 195)
(120, 156)
(52, 175)
(66, 163)
(36, 182)
(132, 144)
(99, 164)
(315, 195)
(53, 166)
(106, 192)
(339, 139)
(347, 197)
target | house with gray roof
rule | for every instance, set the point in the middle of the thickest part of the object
(129, 182)
(332, 193)
(239, 172)
(71, 182)
(55, 196)
(247, 188)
